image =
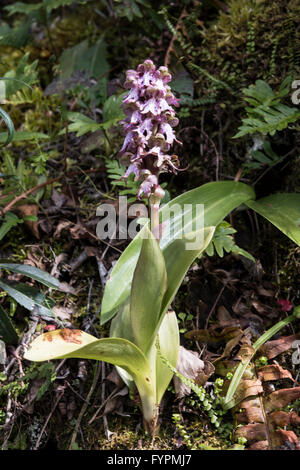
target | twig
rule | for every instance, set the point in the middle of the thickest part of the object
(46, 183)
(48, 419)
(103, 403)
(170, 48)
(85, 405)
(214, 306)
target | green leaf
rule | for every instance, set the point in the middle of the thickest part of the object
(87, 59)
(21, 136)
(168, 337)
(267, 115)
(10, 126)
(179, 257)
(121, 328)
(15, 37)
(65, 343)
(10, 221)
(28, 297)
(25, 75)
(148, 288)
(42, 304)
(219, 199)
(283, 211)
(230, 401)
(7, 332)
(183, 83)
(49, 5)
(112, 111)
(32, 272)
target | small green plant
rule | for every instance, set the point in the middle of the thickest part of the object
(27, 296)
(224, 242)
(229, 401)
(265, 112)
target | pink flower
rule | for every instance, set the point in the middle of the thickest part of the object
(149, 124)
(286, 305)
(50, 327)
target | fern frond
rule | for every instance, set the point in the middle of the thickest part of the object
(267, 114)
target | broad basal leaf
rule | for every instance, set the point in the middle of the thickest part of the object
(148, 288)
(168, 337)
(67, 343)
(283, 211)
(218, 199)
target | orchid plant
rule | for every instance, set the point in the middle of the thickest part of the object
(145, 280)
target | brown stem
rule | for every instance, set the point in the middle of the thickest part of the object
(46, 183)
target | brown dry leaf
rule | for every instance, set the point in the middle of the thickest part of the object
(214, 336)
(281, 398)
(61, 226)
(78, 231)
(25, 210)
(245, 353)
(225, 319)
(115, 378)
(274, 372)
(248, 388)
(282, 437)
(63, 313)
(189, 365)
(273, 348)
(252, 411)
(282, 418)
(208, 370)
(58, 199)
(115, 403)
(265, 292)
(222, 367)
(259, 445)
(252, 432)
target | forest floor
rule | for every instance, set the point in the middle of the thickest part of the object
(62, 168)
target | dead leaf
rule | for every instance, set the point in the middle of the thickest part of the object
(62, 226)
(251, 411)
(189, 365)
(274, 372)
(282, 418)
(252, 432)
(248, 388)
(281, 398)
(282, 437)
(214, 336)
(25, 210)
(259, 445)
(225, 319)
(273, 348)
(205, 374)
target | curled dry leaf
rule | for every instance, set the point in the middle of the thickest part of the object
(260, 445)
(225, 319)
(274, 372)
(204, 375)
(189, 365)
(273, 348)
(251, 411)
(214, 336)
(253, 432)
(281, 398)
(282, 418)
(286, 439)
(248, 388)
(25, 210)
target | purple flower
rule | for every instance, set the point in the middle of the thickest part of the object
(148, 125)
